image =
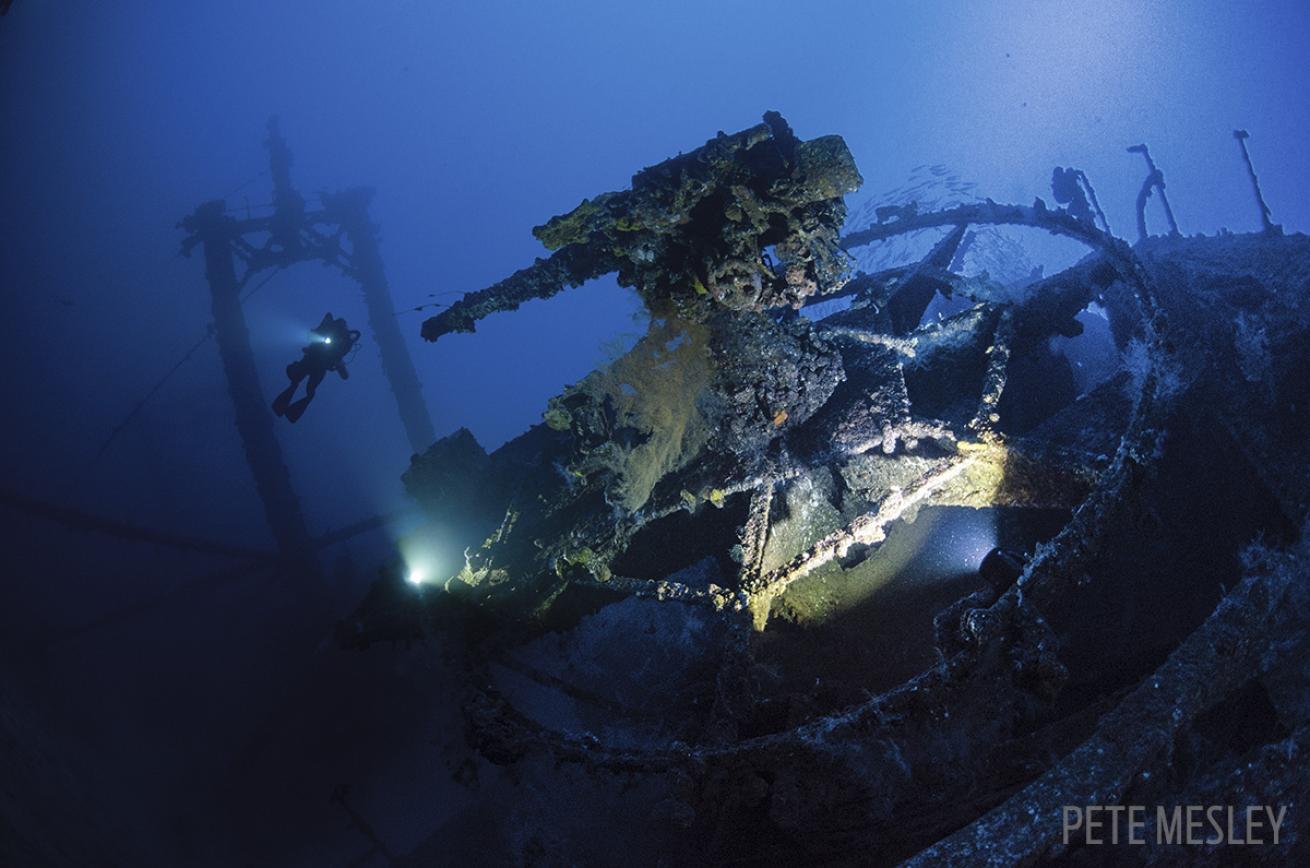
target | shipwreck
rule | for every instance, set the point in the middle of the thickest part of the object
(679, 591)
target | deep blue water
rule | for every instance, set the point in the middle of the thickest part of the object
(474, 122)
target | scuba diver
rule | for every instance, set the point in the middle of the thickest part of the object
(1068, 191)
(334, 339)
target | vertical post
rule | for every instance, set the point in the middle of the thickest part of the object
(1091, 194)
(214, 231)
(288, 205)
(1270, 228)
(350, 209)
(1154, 179)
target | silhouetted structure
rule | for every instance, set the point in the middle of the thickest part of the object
(290, 235)
(1270, 228)
(349, 210)
(220, 236)
(1154, 181)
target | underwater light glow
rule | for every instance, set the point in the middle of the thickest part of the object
(421, 561)
(327, 340)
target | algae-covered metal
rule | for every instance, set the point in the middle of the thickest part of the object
(692, 232)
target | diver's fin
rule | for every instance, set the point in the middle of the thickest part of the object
(296, 410)
(281, 401)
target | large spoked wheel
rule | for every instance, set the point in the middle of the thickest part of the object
(921, 461)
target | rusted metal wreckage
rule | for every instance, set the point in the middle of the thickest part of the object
(740, 453)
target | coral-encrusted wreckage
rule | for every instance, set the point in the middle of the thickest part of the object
(677, 593)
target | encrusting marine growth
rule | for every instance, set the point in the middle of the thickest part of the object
(743, 464)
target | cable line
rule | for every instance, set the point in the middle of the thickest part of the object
(78, 520)
(140, 405)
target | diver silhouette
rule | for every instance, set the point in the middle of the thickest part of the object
(1067, 190)
(334, 339)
